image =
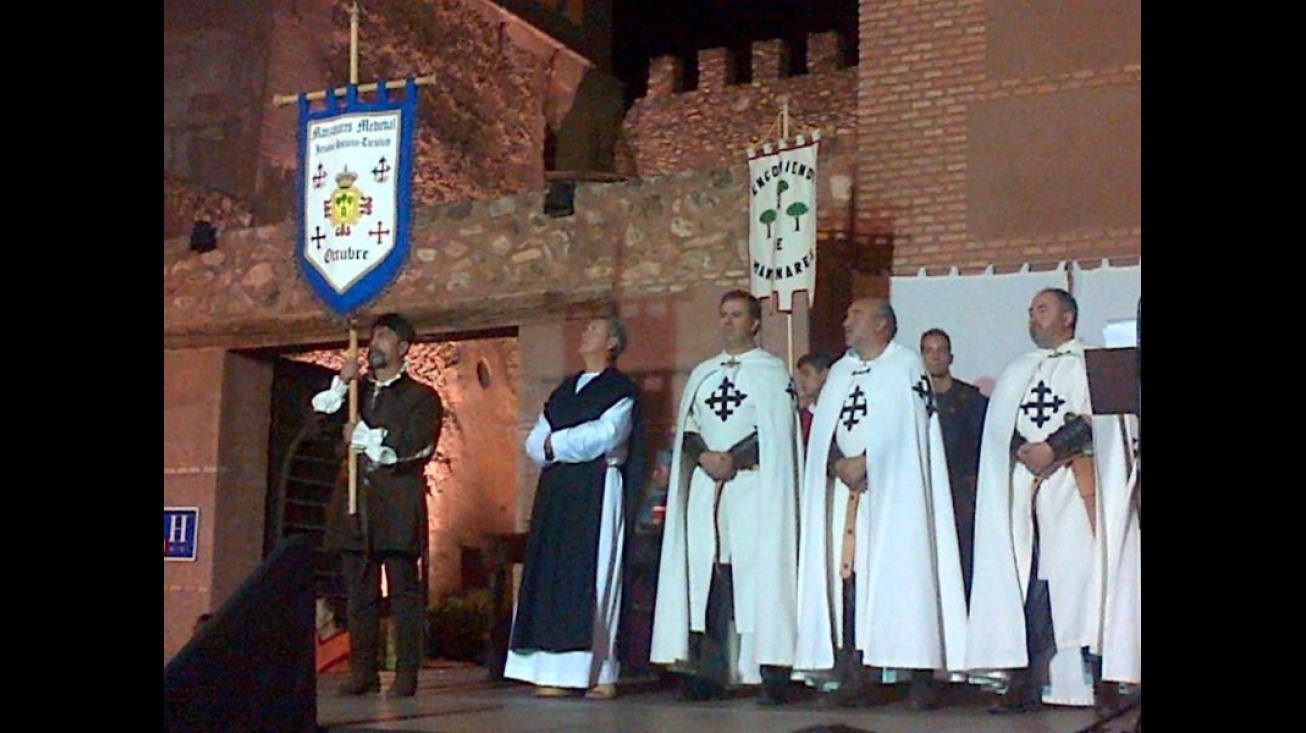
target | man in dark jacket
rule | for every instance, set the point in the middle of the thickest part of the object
(961, 409)
(395, 435)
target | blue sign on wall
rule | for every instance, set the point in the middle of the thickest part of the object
(180, 533)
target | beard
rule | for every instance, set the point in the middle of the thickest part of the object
(377, 359)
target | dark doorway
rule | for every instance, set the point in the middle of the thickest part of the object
(303, 468)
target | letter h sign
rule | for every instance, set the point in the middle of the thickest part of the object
(180, 533)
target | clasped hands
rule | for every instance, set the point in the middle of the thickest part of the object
(851, 470)
(1037, 457)
(719, 465)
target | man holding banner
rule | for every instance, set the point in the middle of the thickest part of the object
(395, 436)
(354, 196)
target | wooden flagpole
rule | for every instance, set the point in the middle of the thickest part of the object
(281, 100)
(789, 316)
(353, 418)
(353, 322)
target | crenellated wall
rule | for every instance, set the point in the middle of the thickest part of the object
(671, 129)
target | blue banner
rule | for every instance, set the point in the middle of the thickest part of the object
(355, 163)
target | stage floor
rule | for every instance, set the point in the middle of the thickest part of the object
(460, 699)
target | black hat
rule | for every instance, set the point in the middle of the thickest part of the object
(397, 323)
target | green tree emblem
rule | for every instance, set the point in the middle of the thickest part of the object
(768, 217)
(796, 209)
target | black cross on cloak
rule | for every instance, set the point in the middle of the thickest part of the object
(854, 408)
(721, 398)
(1035, 408)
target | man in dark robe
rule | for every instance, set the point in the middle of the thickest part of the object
(961, 409)
(587, 443)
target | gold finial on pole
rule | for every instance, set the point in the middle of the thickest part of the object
(353, 43)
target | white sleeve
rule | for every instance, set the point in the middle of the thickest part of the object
(592, 439)
(691, 420)
(330, 399)
(368, 440)
(535, 442)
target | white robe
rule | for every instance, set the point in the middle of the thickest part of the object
(1033, 395)
(910, 606)
(585, 442)
(758, 519)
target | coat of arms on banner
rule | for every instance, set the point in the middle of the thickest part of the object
(782, 222)
(355, 171)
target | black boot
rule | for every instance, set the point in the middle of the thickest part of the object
(405, 684)
(363, 676)
(858, 684)
(1023, 695)
(922, 695)
(360, 684)
(775, 686)
(696, 688)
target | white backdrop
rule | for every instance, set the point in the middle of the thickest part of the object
(987, 314)
(1105, 294)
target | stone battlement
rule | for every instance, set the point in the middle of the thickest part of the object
(717, 69)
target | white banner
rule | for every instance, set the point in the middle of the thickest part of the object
(782, 222)
(351, 194)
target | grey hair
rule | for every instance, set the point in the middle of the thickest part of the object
(886, 312)
(617, 330)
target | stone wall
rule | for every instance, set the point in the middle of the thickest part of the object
(671, 130)
(477, 264)
(214, 76)
(186, 202)
(481, 125)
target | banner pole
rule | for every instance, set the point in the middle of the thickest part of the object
(353, 323)
(353, 418)
(789, 328)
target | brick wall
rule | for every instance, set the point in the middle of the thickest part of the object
(995, 131)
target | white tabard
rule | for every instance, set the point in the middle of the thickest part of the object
(755, 527)
(910, 606)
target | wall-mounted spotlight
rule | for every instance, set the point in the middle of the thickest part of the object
(203, 237)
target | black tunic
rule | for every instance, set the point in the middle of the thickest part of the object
(961, 417)
(392, 499)
(555, 608)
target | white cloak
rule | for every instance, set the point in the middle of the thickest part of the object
(764, 530)
(1074, 559)
(910, 606)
